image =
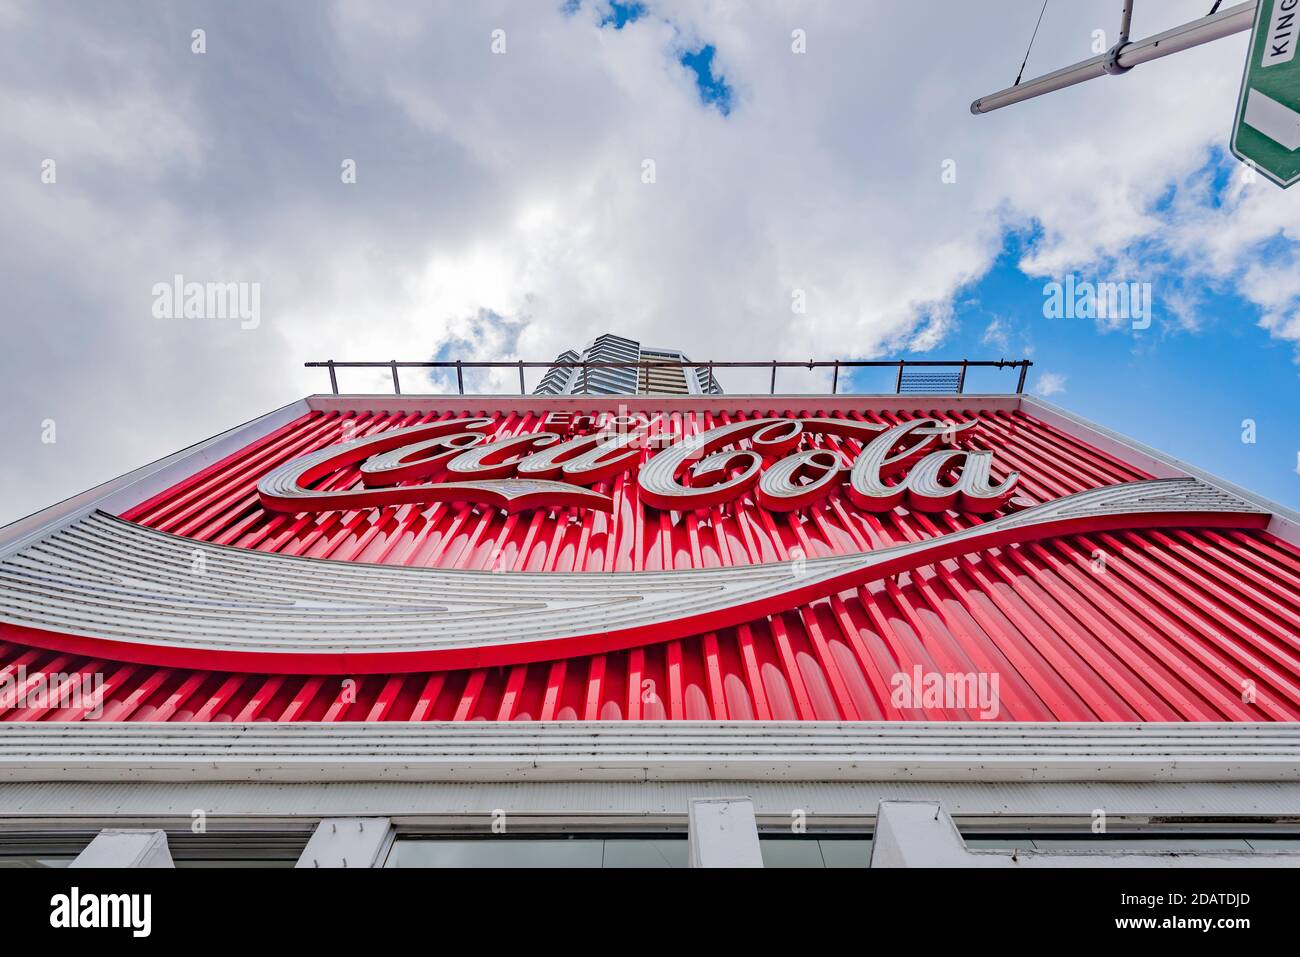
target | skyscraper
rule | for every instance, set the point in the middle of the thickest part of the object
(680, 379)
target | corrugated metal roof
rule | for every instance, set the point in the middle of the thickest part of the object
(1182, 625)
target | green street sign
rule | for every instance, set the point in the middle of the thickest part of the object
(1267, 132)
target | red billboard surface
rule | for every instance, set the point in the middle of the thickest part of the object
(962, 562)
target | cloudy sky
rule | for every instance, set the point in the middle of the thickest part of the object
(501, 208)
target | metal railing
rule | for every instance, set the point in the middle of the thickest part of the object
(902, 365)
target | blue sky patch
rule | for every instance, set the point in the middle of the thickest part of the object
(714, 90)
(488, 335)
(1189, 393)
(621, 14)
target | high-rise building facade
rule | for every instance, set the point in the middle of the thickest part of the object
(677, 376)
(929, 629)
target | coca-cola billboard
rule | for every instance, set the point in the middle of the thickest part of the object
(585, 558)
(897, 465)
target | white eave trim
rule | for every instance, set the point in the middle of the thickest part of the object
(648, 751)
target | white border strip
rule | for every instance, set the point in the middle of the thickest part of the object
(646, 751)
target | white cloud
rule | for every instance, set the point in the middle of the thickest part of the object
(995, 334)
(509, 185)
(1049, 383)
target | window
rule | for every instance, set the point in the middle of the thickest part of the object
(623, 851)
(41, 861)
(503, 851)
(810, 851)
(1136, 843)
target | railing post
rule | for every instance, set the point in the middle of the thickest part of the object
(397, 386)
(334, 381)
(772, 390)
(460, 378)
(835, 378)
(712, 386)
(961, 379)
(1024, 371)
(522, 390)
(898, 385)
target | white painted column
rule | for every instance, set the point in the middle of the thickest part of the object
(126, 848)
(723, 833)
(917, 834)
(348, 842)
(921, 834)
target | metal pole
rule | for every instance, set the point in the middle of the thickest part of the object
(334, 381)
(898, 385)
(1024, 371)
(961, 378)
(1112, 65)
(397, 386)
(772, 390)
(521, 378)
(460, 378)
(1222, 24)
(835, 379)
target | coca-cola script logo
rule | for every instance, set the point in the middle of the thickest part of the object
(898, 465)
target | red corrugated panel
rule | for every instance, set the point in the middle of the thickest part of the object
(1181, 625)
